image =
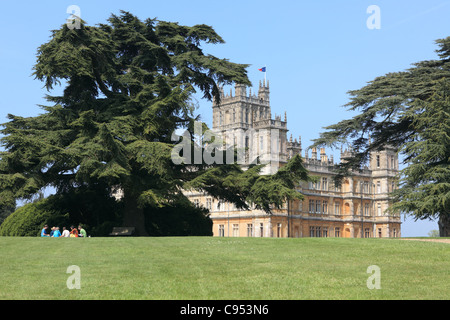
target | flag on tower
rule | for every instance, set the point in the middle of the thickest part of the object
(263, 69)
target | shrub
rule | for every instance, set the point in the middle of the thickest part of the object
(28, 221)
(99, 213)
(184, 219)
(96, 211)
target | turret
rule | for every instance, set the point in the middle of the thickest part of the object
(264, 92)
(314, 153)
(240, 90)
(386, 159)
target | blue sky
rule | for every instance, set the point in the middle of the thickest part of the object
(315, 51)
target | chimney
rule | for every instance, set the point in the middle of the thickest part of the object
(240, 90)
(323, 156)
(314, 153)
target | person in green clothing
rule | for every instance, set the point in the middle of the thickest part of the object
(82, 232)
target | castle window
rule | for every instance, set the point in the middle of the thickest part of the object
(379, 210)
(234, 116)
(392, 162)
(235, 230)
(337, 232)
(317, 206)
(325, 207)
(311, 232)
(221, 230)
(337, 209)
(324, 184)
(378, 161)
(366, 233)
(366, 187)
(318, 232)
(261, 229)
(208, 203)
(279, 230)
(311, 206)
(366, 209)
(378, 187)
(325, 232)
(250, 230)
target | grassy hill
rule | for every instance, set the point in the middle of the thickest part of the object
(223, 268)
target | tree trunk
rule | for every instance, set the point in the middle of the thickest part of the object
(134, 216)
(444, 225)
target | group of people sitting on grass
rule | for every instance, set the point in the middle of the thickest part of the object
(56, 233)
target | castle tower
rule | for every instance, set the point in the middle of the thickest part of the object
(384, 169)
(246, 122)
(264, 91)
(355, 208)
(294, 147)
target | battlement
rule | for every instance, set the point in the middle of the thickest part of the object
(240, 95)
(324, 160)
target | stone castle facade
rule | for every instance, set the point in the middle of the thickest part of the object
(355, 209)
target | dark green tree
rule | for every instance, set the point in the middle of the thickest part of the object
(425, 184)
(128, 85)
(408, 110)
(5, 212)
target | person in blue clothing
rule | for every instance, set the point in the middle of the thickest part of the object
(45, 232)
(56, 233)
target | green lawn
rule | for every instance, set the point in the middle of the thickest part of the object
(223, 268)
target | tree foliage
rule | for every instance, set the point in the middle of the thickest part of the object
(28, 220)
(408, 110)
(247, 188)
(425, 184)
(128, 85)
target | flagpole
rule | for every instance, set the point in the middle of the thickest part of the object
(265, 74)
(264, 69)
